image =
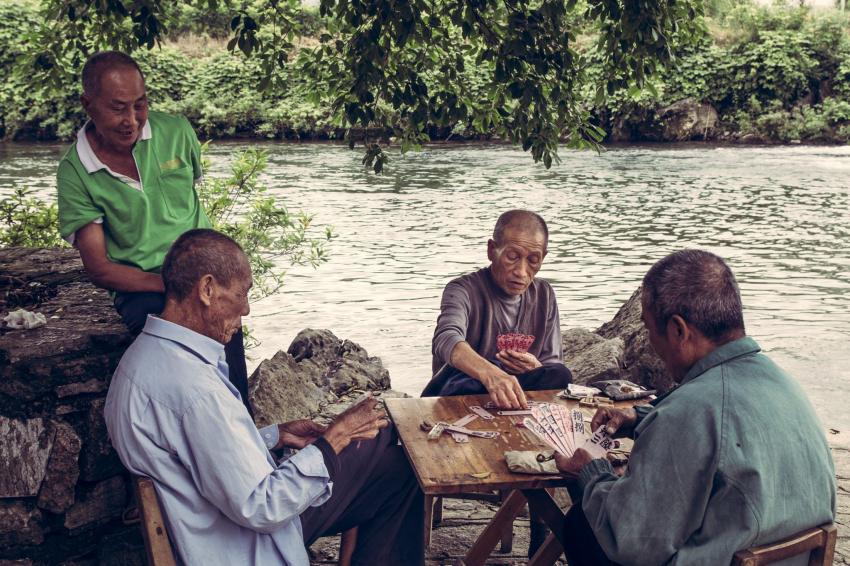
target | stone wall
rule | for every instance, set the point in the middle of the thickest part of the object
(62, 488)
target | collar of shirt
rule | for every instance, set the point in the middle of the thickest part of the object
(92, 163)
(724, 353)
(202, 346)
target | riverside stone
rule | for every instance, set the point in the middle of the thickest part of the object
(316, 371)
(687, 120)
(591, 357)
(98, 459)
(24, 450)
(57, 489)
(640, 362)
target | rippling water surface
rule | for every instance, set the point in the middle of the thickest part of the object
(781, 217)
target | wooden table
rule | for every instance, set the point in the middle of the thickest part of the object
(445, 467)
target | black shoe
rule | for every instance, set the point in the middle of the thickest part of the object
(539, 532)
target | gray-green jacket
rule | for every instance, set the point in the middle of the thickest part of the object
(734, 457)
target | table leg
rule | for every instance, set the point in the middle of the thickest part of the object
(487, 540)
(546, 508)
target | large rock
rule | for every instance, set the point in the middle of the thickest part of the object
(591, 357)
(24, 450)
(57, 489)
(687, 120)
(316, 371)
(640, 362)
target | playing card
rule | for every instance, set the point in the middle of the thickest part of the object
(539, 432)
(543, 415)
(599, 443)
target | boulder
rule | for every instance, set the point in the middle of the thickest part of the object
(317, 370)
(687, 120)
(591, 357)
(640, 362)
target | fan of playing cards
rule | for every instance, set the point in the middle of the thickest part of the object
(564, 431)
(514, 341)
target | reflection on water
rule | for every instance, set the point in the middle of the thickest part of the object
(781, 216)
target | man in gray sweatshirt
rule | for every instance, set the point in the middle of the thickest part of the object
(504, 298)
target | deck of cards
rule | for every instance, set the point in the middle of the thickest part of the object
(513, 341)
(564, 431)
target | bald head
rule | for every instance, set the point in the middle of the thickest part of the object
(198, 253)
(520, 220)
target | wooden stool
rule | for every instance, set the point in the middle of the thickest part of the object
(819, 542)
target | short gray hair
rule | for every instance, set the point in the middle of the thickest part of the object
(698, 286)
(197, 253)
(523, 219)
(100, 63)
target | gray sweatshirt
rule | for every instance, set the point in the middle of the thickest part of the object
(474, 309)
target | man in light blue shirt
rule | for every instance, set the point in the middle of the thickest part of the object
(173, 415)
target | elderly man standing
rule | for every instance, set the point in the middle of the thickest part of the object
(497, 300)
(733, 457)
(173, 415)
(126, 192)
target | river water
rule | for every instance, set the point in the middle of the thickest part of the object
(779, 215)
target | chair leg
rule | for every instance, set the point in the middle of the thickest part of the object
(507, 539)
(347, 543)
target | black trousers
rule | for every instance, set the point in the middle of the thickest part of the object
(134, 309)
(547, 376)
(582, 548)
(376, 491)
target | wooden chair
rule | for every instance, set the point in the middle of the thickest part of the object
(819, 542)
(157, 545)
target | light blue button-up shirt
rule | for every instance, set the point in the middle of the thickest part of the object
(173, 415)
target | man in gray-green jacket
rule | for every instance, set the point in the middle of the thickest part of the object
(733, 457)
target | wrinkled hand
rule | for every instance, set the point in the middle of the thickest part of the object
(359, 422)
(504, 390)
(622, 420)
(298, 434)
(572, 466)
(516, 363)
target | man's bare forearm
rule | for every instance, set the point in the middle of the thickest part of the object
(125, 279)
(469, 362)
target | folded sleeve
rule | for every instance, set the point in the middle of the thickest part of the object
(76, 207)
(232, 468)
(452, 323)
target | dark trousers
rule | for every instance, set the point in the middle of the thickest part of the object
(134, 309)
(582, 548)
(547, 376)
(376, 491)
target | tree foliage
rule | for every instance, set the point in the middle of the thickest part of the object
(395, 68)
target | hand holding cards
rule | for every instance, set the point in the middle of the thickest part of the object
(564, 431)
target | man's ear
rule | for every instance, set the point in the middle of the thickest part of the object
(677, 329)
(206, 289)
(85, 101)
(491, 250)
